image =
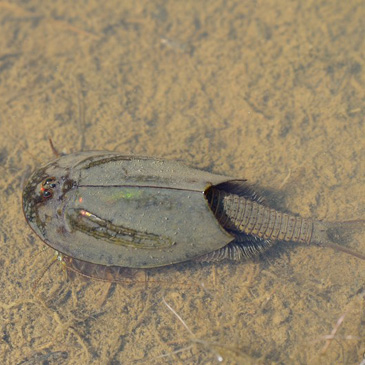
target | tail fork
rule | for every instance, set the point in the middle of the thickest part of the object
(335, 234)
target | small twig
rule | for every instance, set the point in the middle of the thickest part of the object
(206, 344)
(178, 317)
(333, 333)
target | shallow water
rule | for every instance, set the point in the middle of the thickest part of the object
(268, 91)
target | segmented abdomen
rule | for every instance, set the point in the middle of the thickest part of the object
(243, 215)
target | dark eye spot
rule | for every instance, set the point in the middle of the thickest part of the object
(49, 182)
(47, 194)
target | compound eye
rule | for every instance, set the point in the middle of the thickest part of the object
(50, 182)
(46, 194)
